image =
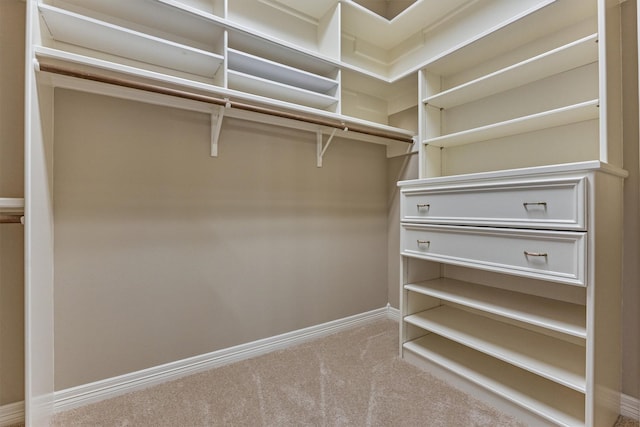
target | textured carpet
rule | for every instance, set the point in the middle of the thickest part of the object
(352, 378)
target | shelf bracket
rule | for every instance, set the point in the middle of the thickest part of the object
(216, 126)
(322, 148)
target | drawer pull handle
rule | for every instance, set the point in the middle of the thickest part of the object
(423, 242)
(423, 205)
(527, 204)
(542, 254)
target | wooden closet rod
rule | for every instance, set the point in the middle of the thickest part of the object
(11, 219)
(217, 101)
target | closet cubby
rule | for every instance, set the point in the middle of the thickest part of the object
(370, 98)
(278, 72)
(305, 26)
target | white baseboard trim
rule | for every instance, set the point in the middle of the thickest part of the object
(11, 413)
(393, 313)
(630, 407)
(111, 387)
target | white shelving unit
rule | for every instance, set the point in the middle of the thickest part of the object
(487, 312)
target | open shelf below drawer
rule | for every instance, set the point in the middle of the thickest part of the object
(559, 316)
(551, 358)
(549, 400)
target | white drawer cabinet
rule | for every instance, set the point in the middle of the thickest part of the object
(491, 285)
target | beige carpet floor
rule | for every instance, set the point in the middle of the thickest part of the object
(352, 378)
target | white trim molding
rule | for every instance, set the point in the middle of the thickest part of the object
(630, 407)
(111, 387)
(393, 313)
(11, 413)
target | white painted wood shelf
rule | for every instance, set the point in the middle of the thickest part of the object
(560, 405)
(564, 58)
(551, 358)
(270, 70)
(79, 30)
(559, 316)
(11, 205)
(557, 117)
(275, 90)
(179, 21)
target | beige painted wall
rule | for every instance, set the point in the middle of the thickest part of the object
(631, 272)
(162, 252)
(11, 185)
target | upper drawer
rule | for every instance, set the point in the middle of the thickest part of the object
(550, 204)
(558, 256)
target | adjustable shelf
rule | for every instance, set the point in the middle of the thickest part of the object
(169, 19)
(275, 90)
(253, 74)
(564, 58)
(313, 28)
(553, 402)
(551, 358)
(270, 70)
(558, 117)
(75, 29)
(554, 315)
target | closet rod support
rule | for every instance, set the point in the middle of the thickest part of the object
(322, 148)
(216, 126)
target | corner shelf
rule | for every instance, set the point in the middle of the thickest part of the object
(550, 358)
(564, 58)
(83, 31)
(558, 117)
(554, 315)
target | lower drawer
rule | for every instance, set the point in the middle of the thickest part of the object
(548, 255)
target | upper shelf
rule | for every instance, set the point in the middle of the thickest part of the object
(79, 30)
(272, 89)
(561, 116)
(261, 67)
(169, 19)
(564, 58)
